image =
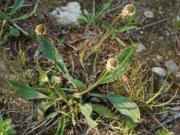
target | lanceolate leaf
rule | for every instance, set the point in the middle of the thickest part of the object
(86, 110)
(126, 56)
(110, 76)
(79, 84)
(14, 32)
(123, 105)
(17, 5)
(127, 28)
(26, 16)
(62, 122)
(22, 17)
(25, 91)
(102, 110)
(52, 54)
(102, 9)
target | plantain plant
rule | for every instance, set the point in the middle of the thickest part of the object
(72, 95)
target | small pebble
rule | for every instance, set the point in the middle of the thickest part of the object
(140, 48)
(159, 71)
(91, 36)
(171, 66)
(148, 14)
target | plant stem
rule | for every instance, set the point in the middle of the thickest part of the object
(105, 36)
(87, 90)
(108, 32)
(91, 87)
(158, 93)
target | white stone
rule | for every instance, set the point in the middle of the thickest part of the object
(148, 14)
(67, 15)
(140, 48)
(159, 71)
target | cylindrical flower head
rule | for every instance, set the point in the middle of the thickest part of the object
(111, 64)
(128, 11)
(40, 29)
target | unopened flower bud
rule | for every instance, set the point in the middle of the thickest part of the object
(40, 29)
(128, 11)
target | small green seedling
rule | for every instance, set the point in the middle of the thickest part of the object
(8, 19)
(88, 18)
(6, 127)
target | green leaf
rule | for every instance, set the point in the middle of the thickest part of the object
(130, 123)
(111, 76)
(22, 17)
(51, 53)
(26, 16)
(127, 28)
(102, 9)
(105, 25)
(17, 5)
(85, 18)
(102, 110)
(61, 126)
(86, 110)
(79, 84)
(126, 56)
(2, 15)
(123, 105)
(126, 107)
(25, 91)
(14, 32)
(6, 127)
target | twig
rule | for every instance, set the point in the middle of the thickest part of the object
(160, 124)
(176, 116)
(69, 44)
(149, 25)
(117, 7)
(19, 28)
(38, 126)
(40, 133)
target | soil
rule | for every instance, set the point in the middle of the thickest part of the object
(157, 34)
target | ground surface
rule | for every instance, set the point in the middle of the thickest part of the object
(157, 34)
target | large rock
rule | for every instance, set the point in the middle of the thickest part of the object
(67, 15)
